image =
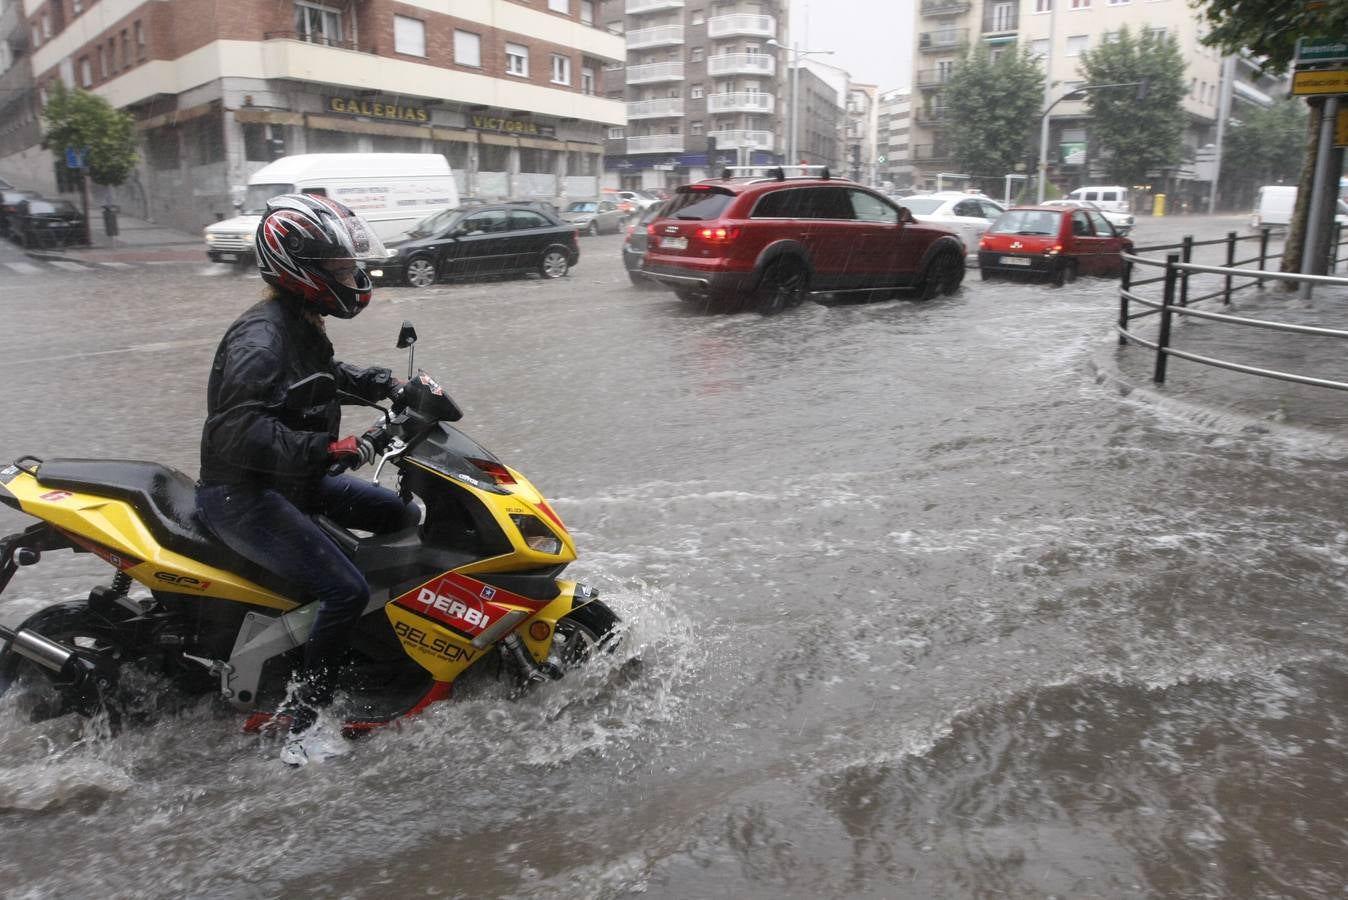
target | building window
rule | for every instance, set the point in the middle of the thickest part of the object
(699, 18)
(317, 24)
(1081, 4)
(126, 50)
(1119, 2)
(1043, 6)
(1110, 37)
(696, 92)
(1157, 34)
(102, 63)
(1077, 43)
(86, 72)
(140, 41)
(696, 54)
(616, 133)
(587, 12)
(467, 49)
(517, 60)
(409, 36)
(587, 79)
(560, 6)
(46, 26)
(112, 54)
(1039, 48)
(694, 127)
(561, 69)
(77, 6)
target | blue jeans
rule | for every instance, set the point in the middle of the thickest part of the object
(264, 527)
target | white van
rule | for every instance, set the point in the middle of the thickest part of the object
(1273, 205)
(1111, 197)
(392, 191)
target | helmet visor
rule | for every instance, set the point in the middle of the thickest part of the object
(351, 238)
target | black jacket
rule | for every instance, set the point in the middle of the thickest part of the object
(271, 402)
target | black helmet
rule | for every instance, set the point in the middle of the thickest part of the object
(298, 234)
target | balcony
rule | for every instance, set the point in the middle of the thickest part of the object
(755, 140)
(928, 79)
(943, 40)
(1001, 18)
(663, 108)
(659, 36)
(637, 7)
(655, 143)
(653, 73)
(930, 118)
(741, 25)
(741, 64)
(945, 7)
(740, 101)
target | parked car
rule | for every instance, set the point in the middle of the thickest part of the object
(629, 202)
(1113, 197)
(1122, 222)
(968, 215)
(1052, 241)
(634, 245)
(595, 216)
(493, 239)
(9, 207)
(49, 223)
(768, 242)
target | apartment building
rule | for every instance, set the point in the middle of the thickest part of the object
(509, 91)
(946, 29)
(859, 131)
(703, 87)
(20, 123)
(893, 132)
(819, 115)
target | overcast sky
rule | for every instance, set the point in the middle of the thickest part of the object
(872, 39)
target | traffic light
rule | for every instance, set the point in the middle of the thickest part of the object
(276, 147)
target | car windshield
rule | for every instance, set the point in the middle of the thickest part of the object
(47, 207)
(255, 200)
(1027, 221)
(923, 206)
(582, 207)
(436, 223)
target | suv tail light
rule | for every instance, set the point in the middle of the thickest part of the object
(718, 234)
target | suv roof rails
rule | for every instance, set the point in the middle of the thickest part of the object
(755, 174)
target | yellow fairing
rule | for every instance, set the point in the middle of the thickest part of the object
(445, 654)
(115, 526)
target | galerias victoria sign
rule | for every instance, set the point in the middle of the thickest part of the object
(487, 122)
(378, 109)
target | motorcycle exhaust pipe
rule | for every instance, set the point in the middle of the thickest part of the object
(45, 652)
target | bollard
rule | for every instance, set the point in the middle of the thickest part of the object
(1263, 252)
(1334, 254)
(1230, 264)
(110, 212)
(1125, 285)
(1186, 255)
(1167, 303)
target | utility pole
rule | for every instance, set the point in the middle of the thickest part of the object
(1223, 113)
(1048, 98)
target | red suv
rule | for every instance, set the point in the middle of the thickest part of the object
(766, 242)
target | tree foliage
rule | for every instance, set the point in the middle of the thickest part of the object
(77, 118)
(1270, 28)
(1136, 135)
(1263, 145)
(993, 108)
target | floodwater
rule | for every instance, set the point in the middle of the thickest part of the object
(920, 609)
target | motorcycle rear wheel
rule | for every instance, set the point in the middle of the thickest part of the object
(45, 696)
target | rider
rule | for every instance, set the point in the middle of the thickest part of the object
(271, 430)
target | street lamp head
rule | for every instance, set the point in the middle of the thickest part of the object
(773, 42)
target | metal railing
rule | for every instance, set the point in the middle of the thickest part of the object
(1175, 301)
(321, 40)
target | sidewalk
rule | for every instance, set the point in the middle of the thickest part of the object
(138, 241)
(1232, 401)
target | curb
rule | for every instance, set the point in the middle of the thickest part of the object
(1106, 374)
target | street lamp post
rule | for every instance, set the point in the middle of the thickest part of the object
(794, 62)
(1072, 95)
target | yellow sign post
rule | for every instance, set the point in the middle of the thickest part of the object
(1320, 81)
(1341, 128)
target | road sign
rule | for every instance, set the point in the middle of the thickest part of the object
(1321, 50)
(75, 157)
(1320, 81)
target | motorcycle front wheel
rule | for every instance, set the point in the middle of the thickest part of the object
(584, 633)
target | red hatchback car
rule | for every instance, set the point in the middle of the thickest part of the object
(1054, 242)
(766, 241)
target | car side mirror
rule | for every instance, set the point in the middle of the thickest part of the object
(407, 335)
(906, 217)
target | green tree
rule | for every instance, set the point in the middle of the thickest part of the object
(993, 109)
(77, 118)
(1270, 28)
(1136, 135)
(1264, 145)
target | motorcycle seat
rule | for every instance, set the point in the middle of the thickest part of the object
(166, 501)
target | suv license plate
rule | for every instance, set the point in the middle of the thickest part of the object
(674, 243)
(229, 257)
(1015, 261)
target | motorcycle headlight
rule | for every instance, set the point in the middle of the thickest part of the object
(537, 535)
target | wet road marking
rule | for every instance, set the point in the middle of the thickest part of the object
(117, 265)
(24, 268)
(157, 347)
(69, 266)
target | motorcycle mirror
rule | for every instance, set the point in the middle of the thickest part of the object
(407, 335)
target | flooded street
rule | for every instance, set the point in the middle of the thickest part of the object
(920, 610)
